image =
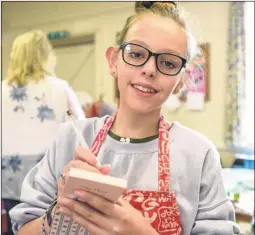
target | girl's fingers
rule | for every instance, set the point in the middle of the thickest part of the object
(80, 165)
(85, 155)
(105, 169)
(83, 214)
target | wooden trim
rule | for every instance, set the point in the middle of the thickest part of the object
(206, 52)
(73, 41)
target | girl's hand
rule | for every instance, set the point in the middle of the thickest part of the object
(102, 217)
(83, 159)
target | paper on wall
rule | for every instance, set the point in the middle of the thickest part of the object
(195, 101)
(172, 103)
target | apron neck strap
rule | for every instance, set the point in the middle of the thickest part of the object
(163, 146)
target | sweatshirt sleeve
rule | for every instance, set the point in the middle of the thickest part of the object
(216, 213)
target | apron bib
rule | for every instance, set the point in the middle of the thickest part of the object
(158, 207)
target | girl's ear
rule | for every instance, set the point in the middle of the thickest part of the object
(178, 87)
(111, 56)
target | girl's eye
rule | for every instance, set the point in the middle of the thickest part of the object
(135, 54)
(168, 64)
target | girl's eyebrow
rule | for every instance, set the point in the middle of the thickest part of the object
(146, 46)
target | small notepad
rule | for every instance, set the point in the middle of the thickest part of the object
(104, 186)
(108, 187)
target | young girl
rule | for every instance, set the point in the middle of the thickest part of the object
(174, 173)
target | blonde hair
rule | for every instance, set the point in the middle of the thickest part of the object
(164, 9)
(29, 53)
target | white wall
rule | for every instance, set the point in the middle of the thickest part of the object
(76, 65)
(105, 19)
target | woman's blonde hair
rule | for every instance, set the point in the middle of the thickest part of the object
(167, 9)
(30, 52)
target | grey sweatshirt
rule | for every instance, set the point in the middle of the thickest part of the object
(195, 176)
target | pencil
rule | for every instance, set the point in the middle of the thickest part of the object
(80, 138)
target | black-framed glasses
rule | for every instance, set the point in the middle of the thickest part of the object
(137, 55)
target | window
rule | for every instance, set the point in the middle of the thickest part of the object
(248, 121)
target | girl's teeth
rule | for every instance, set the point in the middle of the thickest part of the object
(144, 89)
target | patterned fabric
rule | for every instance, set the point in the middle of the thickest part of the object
(19, 97)
(235, 94)
(31, 117)
(14, 169)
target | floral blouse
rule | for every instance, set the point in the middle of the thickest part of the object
(31, 116)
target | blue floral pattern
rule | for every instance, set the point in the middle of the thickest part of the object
(18, 94)
(14, 169)
(11, 163)
(3, 164)
(45, 113)
(18, 107)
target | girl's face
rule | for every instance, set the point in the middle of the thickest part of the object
(144, 89)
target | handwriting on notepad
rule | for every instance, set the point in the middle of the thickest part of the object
(94, 190)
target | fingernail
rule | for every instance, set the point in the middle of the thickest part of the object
(79, 193)
(97, 165)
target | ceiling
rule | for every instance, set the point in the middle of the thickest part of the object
(14, 14)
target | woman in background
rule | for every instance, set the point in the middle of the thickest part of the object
(34, 104)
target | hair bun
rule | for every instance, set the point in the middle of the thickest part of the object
(149, 4)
